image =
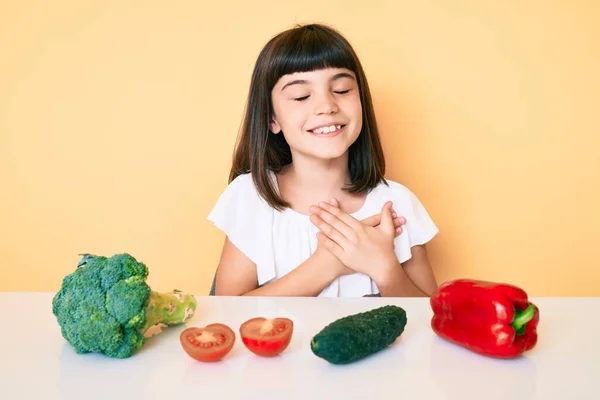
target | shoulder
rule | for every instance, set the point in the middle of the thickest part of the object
(244, 217)
(242, 183)
(247, 220)
(400, 194)
(239, 197)
(241, 188)
(396, 188)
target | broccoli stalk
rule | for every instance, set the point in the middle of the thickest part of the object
(105, 306)
(167, 309)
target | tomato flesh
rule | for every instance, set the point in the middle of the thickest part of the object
(208, 344)
(267, 337)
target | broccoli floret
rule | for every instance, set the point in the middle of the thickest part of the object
(105, 306)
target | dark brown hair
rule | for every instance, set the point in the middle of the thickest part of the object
(259, 151)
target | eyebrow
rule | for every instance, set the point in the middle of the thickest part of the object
(304, 82)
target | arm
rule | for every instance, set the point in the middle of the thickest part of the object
(236, 275)
(370, 251)
(413, 279)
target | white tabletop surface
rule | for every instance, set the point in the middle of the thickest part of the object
(37, 363)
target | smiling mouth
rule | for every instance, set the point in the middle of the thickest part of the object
(327, 130)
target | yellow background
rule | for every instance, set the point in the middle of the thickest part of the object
(118, 119)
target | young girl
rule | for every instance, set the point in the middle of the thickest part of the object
(307, 211)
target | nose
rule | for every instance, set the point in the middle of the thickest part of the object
(325, 104)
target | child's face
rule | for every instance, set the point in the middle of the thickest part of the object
(318, 112)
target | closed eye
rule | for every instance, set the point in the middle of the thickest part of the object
(336, 92)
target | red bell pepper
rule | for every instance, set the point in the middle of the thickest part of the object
(488, 318)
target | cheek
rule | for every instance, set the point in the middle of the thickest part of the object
(353, 107)
(292, 120)
(357, 115)
(358, 108)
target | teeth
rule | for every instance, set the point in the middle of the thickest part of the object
(327, 129)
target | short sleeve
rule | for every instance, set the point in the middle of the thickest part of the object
(419, 228)
(246, 219)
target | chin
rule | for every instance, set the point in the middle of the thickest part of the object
(325, 150)
(330, 155)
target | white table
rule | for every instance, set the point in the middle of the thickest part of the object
(36, 362)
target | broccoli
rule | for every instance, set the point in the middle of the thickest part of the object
(105, 306)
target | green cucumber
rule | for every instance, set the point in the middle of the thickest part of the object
(357, 336)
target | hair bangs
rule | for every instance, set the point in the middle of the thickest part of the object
(310, 49)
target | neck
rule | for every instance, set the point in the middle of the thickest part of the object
(318, 176)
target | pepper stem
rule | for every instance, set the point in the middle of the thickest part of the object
(522, 317)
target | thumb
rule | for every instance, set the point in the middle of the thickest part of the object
(387, 221)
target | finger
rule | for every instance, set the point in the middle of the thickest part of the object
(329, 231)
(342, 216)
(330, 245)
(398, 232)
(387, 223)
(373, 220)
(333, 221)
(399, 221)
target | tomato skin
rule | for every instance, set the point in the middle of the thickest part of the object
(265, 348)
(269, 342)
(218, 343)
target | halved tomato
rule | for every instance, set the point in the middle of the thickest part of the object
(267, 337)
(208, 344)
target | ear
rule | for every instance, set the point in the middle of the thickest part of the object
(275, 127)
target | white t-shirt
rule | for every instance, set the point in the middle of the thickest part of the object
(279, 241)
